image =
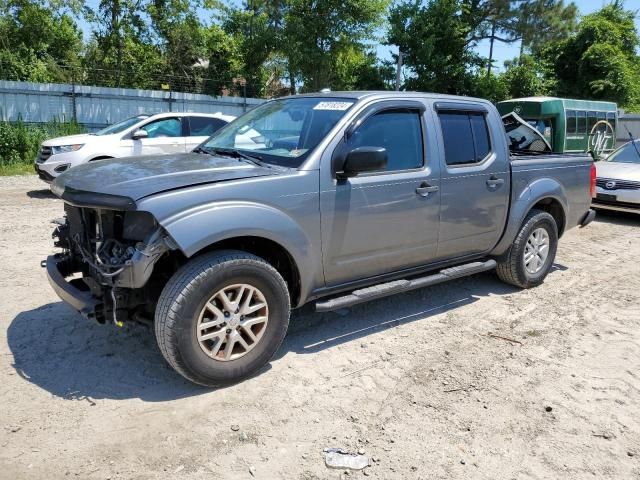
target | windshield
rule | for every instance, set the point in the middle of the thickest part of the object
(121, 126)
(281, 132)
(628, 153)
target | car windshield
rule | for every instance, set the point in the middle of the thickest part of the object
(121, 126)
(281, 132)
(628, 153)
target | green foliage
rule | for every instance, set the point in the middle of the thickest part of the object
(272, 47)
(20, 142)
(37, 43)
(436, 42)
(599, 61)
(254, 37)
(326, 39)
(526, 77)
(492, 87)
(120, 53)
(538, 22)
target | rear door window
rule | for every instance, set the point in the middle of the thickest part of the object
(465, 136)
(205, 126)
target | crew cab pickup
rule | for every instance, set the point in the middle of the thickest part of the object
(338, 199)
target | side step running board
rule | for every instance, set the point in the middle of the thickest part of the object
(391, 288)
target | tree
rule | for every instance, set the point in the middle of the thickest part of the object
(120, 53)
(37, 42)
(599, 61)
(326, 39)
(539, 22)
(255, 28)
(437, 42)
(223, 61)
(527, 77)
(182, 40)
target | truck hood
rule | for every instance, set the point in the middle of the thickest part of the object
(618, 170)
(133, 178)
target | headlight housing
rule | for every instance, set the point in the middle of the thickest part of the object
(66, 148)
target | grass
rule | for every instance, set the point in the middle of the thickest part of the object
(20, 143)
(16, 169)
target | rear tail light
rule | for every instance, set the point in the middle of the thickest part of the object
(592, 186)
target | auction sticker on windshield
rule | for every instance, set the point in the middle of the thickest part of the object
(333, 105)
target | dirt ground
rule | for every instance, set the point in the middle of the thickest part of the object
(415, 380)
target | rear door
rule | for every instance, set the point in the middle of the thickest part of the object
(383, 221)
(201, 128)
(474, 181)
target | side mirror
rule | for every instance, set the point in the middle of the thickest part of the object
(140, 133)
(363, 159)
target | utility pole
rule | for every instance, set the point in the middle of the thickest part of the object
(398, 69)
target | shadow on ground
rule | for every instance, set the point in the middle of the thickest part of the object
(44, 194)
(618, 218)
(73, 358)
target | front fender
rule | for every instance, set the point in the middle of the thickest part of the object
(521, 205)
(197, 228)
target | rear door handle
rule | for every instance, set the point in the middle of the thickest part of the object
(495, 181)
(425, 189)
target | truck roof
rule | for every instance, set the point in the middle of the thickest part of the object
(360, 94)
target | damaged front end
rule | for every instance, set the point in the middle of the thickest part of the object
(107, 262)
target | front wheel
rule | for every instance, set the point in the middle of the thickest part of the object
(222, 317)
(531, 256)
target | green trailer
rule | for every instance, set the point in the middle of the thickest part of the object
(569, 125)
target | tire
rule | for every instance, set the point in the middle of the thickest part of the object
(512, 268)
(190, 297)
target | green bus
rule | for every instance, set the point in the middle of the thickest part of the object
(569, 125)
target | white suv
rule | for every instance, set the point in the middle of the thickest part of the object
(163, 133)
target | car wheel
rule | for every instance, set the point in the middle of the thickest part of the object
(222, 317)
(531, 256)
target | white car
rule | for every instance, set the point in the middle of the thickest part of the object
(163, 133)
(618, 180)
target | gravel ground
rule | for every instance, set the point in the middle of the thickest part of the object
(417, 380)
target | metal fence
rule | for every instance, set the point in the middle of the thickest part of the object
(97, 107)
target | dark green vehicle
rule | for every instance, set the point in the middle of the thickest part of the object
(569, 125)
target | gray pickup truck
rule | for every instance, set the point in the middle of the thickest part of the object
(335, 198)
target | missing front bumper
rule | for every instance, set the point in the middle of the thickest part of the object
(71, 292)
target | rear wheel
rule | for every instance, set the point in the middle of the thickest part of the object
(531, 256)
(222, 317)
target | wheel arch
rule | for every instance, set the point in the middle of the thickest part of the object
(274, 253)
(554, 208)
(256, 228)
(544, 194)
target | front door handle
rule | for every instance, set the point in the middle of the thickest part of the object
(425, 189)
(494, 181)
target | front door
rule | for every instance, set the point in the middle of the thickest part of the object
(475, 182)
(164, 136)
(383, 221)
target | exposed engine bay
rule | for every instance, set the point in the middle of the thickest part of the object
(115, 253)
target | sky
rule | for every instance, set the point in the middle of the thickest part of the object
(501, 51)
